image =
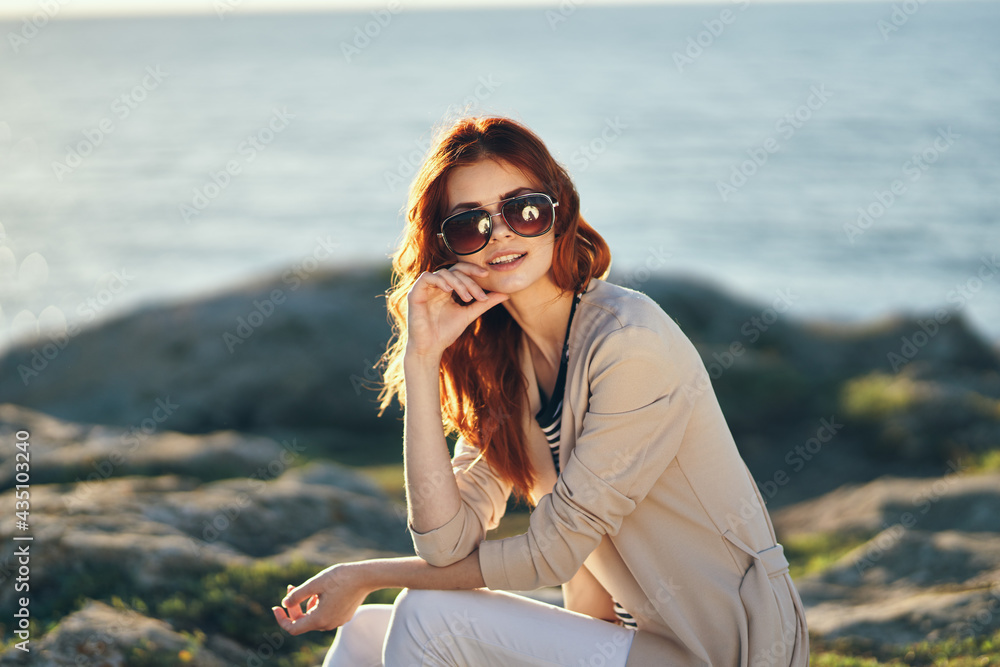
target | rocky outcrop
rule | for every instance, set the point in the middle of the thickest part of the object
(292, 354)
(63, 451)
(822, 350)
(285, 353)
(185, 446)
(953, 500)
(101, 635)
(930, 568)
(927, 564)
(149, 530)
(156, 528)
(925, 413)
(148, 537)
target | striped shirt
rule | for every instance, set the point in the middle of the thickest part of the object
(549, 418)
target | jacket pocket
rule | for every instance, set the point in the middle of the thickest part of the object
(772, 630)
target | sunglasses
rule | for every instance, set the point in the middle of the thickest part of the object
(527, 215)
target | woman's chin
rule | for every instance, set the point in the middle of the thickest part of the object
(513, 285)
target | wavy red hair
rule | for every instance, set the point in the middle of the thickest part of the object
(482, 387)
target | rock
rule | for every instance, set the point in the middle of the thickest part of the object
(64, 451)
(141, 532)
(193, 423)
(928, 572)
(273, 353)
(923, 414)
(955, 501)
(332, 474)
(905, 616)
(776, 376)
(101, 635)
(299, 355)
(825, 350)
(74, 452)
(913, 559)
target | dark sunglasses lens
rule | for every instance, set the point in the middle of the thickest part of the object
(467, 232)
(530, 215)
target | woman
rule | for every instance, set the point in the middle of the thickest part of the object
(579, 396)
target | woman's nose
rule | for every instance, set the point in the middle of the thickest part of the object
(500, 228)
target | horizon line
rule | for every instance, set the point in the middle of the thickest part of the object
(27, 9)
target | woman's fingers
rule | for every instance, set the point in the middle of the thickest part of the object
(468, 268)
(294, 611)
(330, 599)
(442, 304)
(296, 625)
(458, 278)
(291, 618)
(479, 307)
(471, 289)
(287, 623)
(294, 597)
(452, 281)
(281, 618)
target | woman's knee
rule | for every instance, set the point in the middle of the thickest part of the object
(360, 640)
(369, 620)
(416, 601)
(444, 611)
(422, 618)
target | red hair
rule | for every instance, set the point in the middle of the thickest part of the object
(482, 386)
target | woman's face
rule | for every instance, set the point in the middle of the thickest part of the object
(479, 185)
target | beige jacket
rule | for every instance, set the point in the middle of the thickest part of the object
(654, 499)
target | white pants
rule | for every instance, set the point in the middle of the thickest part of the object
(475, 628)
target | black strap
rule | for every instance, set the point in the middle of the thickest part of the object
(561, 377)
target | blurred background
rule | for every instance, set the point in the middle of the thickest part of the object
(648, 120)
(199, 201)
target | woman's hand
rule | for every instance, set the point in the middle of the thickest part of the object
(331, 598)
(433, 319)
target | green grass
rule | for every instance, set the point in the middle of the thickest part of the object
(237, 601)
(147, 654)
(234, 602)
(807, 554)
(968, 652)
(811, 553)
(982, 462)
(825, 659)
(815, 552)
(388, 476)
(876, 396)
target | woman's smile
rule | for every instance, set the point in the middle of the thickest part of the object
(506, 261)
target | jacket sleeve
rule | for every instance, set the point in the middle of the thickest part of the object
(484, 501)
(644, 384)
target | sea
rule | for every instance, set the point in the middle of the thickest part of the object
(842, 156)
